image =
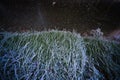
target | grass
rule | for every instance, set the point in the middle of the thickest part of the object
(106, 57)
(57, 55)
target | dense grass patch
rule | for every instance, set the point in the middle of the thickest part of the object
(57, 55)
(105, 55)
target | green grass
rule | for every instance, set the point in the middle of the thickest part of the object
(105, 56)
(57, 55)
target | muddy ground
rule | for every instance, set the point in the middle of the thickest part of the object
(16, 15)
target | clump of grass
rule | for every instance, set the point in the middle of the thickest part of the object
(105, 55)
(56, 55)
(42, 55)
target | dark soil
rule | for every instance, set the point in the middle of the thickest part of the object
(36, 15)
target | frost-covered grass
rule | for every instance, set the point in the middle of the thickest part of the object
(57, 55)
